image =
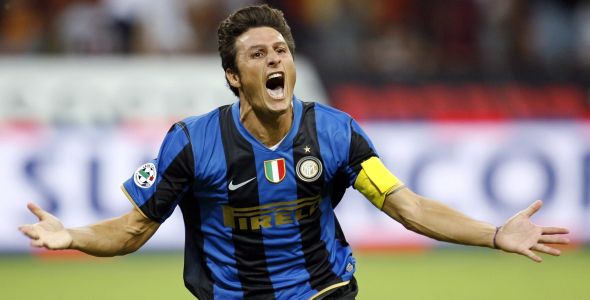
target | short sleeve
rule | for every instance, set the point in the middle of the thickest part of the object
(360, 149)
(156, 186)
(366, 172)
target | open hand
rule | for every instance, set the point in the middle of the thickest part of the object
(520, 235)
(48, 232)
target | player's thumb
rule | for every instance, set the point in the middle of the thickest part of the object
(533, 208)
(37, 211)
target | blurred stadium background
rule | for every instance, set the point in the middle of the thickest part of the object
(481, 104)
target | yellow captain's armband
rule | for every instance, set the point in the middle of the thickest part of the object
(375, 181)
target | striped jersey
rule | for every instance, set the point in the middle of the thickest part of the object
(259, 223)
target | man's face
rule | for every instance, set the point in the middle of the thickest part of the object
(266, 71)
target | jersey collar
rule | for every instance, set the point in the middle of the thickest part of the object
(287, 140)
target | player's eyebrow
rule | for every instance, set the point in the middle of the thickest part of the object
(275, 44)
(280, 43)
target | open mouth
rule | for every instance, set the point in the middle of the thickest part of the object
(275, 85)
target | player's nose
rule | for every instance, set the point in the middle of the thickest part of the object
(273, 59)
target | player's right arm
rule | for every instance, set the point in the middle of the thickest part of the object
(116, 236)
(154, 189)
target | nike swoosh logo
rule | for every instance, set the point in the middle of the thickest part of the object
(233, 187)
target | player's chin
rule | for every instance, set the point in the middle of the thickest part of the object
(278, 106)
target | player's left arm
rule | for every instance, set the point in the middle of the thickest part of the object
(438, 221)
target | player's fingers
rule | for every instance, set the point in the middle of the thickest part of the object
(555, 230)
(29, 231)
(533, 208)
(553, 239)
(37, 211)
(546, 249)
(37, 243)
(530, 254)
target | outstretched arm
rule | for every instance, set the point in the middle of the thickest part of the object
(438, 221)
(117, 236)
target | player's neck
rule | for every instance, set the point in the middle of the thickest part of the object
(269, 129)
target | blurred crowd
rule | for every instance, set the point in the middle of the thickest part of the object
(347, 39)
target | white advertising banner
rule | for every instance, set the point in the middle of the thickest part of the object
(105, 90)
(486, 170)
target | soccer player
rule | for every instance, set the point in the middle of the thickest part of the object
(257, 182)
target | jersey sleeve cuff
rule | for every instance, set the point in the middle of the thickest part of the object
(133, 201)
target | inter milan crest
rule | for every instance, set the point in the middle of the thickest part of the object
(145, 176)
(309, 169)
(274, 170)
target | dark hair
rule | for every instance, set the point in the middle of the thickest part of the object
(240, 22)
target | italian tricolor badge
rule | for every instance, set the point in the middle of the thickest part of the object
(274, 170)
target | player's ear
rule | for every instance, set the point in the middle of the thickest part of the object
(233, 78)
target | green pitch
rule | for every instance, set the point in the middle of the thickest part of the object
(441, 274)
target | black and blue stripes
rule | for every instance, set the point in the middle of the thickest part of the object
(248, 242)
(317, 257)
(247, 236)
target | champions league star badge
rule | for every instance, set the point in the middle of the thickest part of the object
(309, 169)
(145, 176)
